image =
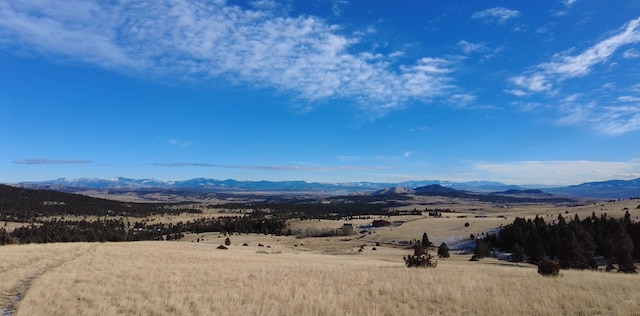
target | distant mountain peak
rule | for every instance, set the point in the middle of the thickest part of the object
(603, 189)
(392, 190)
(434, 188)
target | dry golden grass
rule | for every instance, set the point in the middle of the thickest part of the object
(482, 218)
(310, 276)
(178, 278)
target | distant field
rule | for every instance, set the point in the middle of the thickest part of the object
(184, 278)
(481, 217)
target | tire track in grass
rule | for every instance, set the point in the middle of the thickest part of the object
(21, 290)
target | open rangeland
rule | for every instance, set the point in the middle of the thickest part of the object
(184, 278)
(286, 275)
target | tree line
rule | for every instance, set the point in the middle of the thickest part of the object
(115, 230)
(24, 205)
(574, 243)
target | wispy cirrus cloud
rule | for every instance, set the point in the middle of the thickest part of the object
(566, 66)
(495, 15)
(42, 161)
(613, 119)
(185, 164)
(613, 116)
(210, 40)
(275, 167)
(469, 47)
(179, 143)
(631, 53)
(576, 171)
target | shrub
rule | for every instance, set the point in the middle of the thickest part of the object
(548, 267)
(227, 241)
(222, 247)
(420, 258)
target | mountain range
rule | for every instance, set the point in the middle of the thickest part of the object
(613, 189)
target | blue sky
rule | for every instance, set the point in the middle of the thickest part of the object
(520, 92)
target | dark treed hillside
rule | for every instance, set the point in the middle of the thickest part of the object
(19, 204)
(574, 243)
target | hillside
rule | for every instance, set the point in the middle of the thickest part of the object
(20, 204)
(176, 278)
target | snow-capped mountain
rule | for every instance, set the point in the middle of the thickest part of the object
(613, 189)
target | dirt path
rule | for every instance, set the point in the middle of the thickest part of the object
(18, 293)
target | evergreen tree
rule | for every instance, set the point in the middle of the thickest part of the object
(624, 251)
(425, 241)
(534, 248)
(443, 251)
(482, 250)
(517, 254)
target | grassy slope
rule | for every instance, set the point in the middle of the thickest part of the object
(296, 276)
(169, 278)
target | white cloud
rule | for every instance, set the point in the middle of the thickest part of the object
(527, 106)
(516, 92)
(610, 120)
(558, 13)
(461, 100)
(566, 66)
(495, 15)
(291, 167)
(628, 98)
(569, 2)
(571, 172)
(605, 116)
(337, 6)
(179, 143)
(631, 53)
(42, 161)
(468, 47)
(203, 40)
(533, 83)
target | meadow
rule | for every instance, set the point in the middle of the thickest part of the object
(285, 275)
(183, 278)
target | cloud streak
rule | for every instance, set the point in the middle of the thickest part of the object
(498, 15)
(41, 161)
(579, 171)
(209, 40)
(566, 66)
(615, 116)
(274, 167)
(609, 119)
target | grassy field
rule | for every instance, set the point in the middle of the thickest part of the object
(481, 217)
(310, 276)
(182, 278)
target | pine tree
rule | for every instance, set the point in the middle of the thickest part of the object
(482, 250)
(517, 254)
(624, 252)
(534, 248)
(443, 251)
(425, 241)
